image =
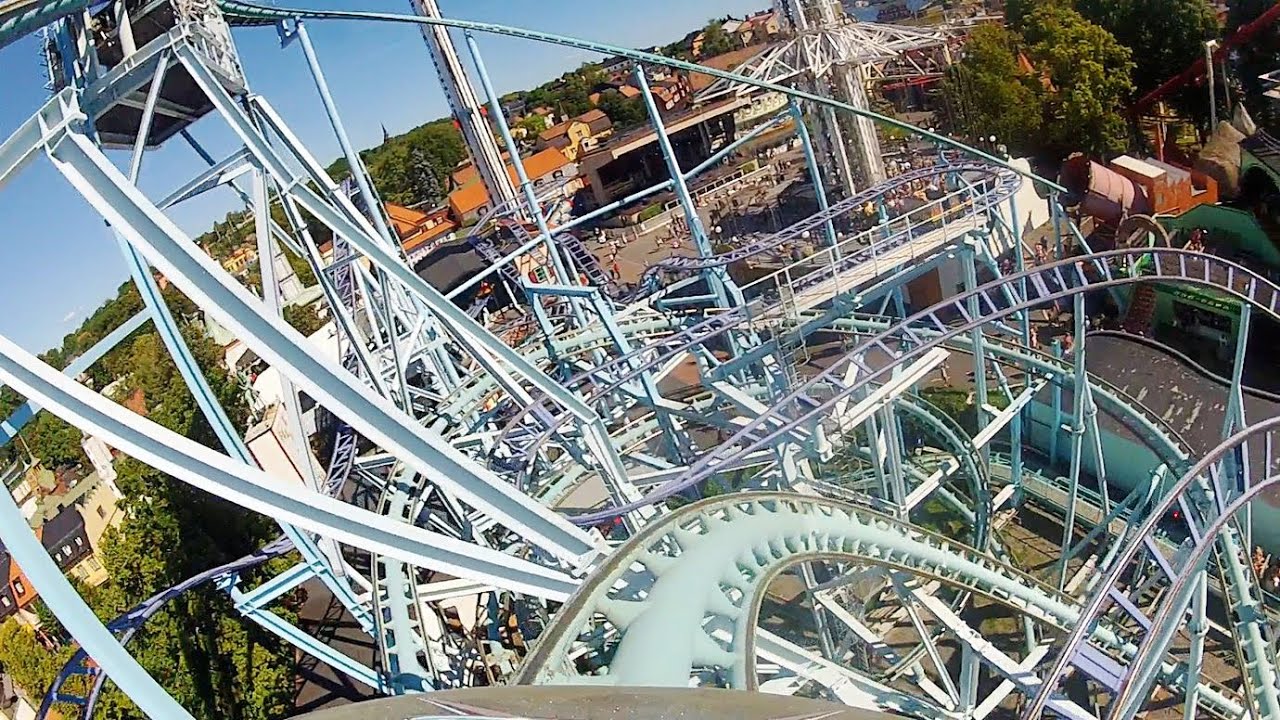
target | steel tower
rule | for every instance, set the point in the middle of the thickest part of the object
(826, 53)
(466, 108)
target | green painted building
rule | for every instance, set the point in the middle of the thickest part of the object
(1199, 315)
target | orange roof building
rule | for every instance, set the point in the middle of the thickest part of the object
(23, 592)
(417, 230)
(726, 61)
(471, 197)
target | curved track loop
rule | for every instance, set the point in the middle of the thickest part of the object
(706, 565)
(1046, 283)
(1161, 437)
(1008, 183)
(1093, 607)
(1141, 231)
(1168, 620)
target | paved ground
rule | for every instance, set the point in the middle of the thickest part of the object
(750, 207)
(320, 686)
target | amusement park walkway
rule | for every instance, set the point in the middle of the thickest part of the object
(1192, 403)
(318, 685)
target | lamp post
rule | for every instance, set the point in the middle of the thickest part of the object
(1209, 45)
(936, 146)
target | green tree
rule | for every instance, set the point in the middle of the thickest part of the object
(54, 442)
(48, 621)
(304, 319)
(715, 41)
(101, 600)
(1016, 12)
(32, 666)
(532, 125)
(1165, 36)
(418, 162)
(422, 178)
(1261, 55)
(991, 94)
(1090, 75)
(626, 113)
(300, 267)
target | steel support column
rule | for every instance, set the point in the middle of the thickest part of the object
(815, 173)
(526, 185)
(717, 278)
(1078, 432)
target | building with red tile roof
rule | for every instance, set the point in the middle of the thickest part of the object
(420, 232)
(471, 199)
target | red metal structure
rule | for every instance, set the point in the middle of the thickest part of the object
(1196, 70)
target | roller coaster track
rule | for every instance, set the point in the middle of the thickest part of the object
(1007, 182)
(1166, 440)
(608, 378)
(1142, 422)
(730, 548)
(870, 325)
(767, 523)
(1245, 610)
(1046, 283)
(345, 440)
(1263, 688)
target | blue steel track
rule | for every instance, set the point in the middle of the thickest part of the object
(777, 530)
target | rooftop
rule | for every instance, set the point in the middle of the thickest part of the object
(64, 495)
(61, 526)
(727, 61)
(620, 145)
(1134, 165)
(449, 266)
(468, 199)
(560, 130)
(472, 194)
(536, 165)
(416, 228)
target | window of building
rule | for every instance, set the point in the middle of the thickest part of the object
(79, 542)
(5, 601)
(102, 512)
(19, 588)
(66, 550)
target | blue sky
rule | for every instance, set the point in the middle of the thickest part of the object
(60, 261)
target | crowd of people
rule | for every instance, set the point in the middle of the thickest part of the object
(1267, 570)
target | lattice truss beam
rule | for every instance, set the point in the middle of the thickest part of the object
(459, 448)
